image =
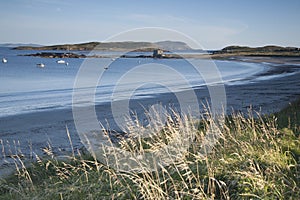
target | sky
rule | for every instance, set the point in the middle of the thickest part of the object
(214, 24)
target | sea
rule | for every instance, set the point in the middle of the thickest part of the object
(27, 88)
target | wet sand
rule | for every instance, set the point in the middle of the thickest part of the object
(28, 134)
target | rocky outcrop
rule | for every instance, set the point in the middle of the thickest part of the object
(74, 55)
(57, 55)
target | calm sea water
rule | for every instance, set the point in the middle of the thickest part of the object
(26, 88)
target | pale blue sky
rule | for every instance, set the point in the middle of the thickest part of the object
(213, 23)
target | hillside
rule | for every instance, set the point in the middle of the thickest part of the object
(112, 46)
(269, 50)
(173, 45)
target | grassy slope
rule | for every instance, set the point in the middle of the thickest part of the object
(254, 159)
(289, 117)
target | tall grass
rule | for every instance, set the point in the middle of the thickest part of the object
(253, 159)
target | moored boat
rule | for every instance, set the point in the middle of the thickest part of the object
(40, 65)
(61, 62)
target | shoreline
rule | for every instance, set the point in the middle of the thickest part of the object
(238, 56)
(31, 132)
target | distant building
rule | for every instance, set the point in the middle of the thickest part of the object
(158, 53)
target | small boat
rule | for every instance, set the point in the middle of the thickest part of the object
(4, 60)
(61, 62)
(40, 65)
(106, 67)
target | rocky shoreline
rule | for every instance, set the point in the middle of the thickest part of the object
(74, 55)
(56, 55)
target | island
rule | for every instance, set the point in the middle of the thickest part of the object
(161, 50)
(113, 46)
(269, 50)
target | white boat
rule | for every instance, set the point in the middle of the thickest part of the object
(40, 65)
(4, 60)
(61, 62)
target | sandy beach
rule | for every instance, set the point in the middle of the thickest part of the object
(28, 134)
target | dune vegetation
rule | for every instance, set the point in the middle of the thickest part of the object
(255, 157)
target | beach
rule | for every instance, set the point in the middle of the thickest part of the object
(150, 100)
(28, 134)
